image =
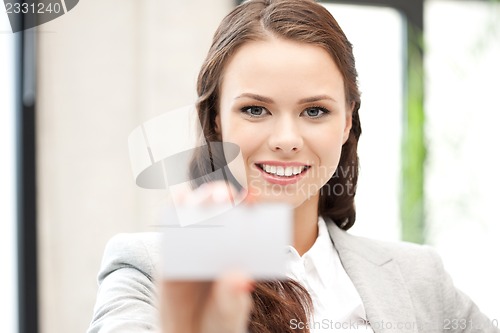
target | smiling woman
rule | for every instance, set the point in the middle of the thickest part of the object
(279, 81)
(285, 110)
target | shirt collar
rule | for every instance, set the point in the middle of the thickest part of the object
(321, 257)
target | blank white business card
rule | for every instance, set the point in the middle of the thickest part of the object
(252, 239)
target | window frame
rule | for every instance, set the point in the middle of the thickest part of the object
(26, 182)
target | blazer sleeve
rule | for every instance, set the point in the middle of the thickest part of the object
(461, 314)
(127, 298)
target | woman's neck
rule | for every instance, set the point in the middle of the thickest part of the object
(305, 225)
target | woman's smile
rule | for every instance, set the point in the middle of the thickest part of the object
(282, 173)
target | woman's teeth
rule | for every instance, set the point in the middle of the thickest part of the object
(283, 171)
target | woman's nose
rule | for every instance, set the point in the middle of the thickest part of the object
(286, 136)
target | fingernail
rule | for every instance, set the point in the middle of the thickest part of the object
(240, 282)
(246, 286)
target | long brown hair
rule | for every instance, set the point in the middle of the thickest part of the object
(276, 303)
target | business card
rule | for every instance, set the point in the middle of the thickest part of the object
(252, 239)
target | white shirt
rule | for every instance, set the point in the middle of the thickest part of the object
(337, 304)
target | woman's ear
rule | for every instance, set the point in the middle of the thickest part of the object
(218, 127)
(348, 122)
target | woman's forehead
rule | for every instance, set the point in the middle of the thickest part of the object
(277, 64)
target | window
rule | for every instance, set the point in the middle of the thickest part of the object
(462, 118)
(378, 46)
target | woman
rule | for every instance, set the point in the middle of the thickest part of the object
(280, 82)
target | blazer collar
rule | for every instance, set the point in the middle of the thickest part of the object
(378, 280)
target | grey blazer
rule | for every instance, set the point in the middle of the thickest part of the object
(403, 286)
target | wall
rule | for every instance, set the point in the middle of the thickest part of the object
(104, 68)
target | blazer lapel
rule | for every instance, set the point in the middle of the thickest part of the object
(378, 281)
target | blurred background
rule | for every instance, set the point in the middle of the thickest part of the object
(72, 89)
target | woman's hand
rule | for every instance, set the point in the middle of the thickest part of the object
(220, 306)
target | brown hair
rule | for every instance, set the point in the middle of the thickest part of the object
(278, 302)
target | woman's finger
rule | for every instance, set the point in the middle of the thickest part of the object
(181, 302)
(229, 305)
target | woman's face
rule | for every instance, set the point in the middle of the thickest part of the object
(283, 103)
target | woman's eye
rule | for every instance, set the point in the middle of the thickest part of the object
(316, 112)
(254, 111)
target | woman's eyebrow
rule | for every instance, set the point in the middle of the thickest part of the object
(316, 98)
(256, 97)
(302, 101)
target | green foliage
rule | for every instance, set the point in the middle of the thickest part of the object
(413, 144)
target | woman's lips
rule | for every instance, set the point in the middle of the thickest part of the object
(282, 173)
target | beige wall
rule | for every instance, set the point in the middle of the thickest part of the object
(104, 68)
